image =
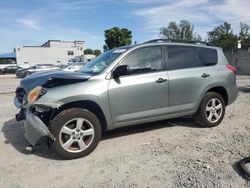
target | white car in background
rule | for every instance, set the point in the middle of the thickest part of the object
(74, 66)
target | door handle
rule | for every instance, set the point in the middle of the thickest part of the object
(205, 75)
(161, 80)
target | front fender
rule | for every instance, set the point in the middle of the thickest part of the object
(87, 91)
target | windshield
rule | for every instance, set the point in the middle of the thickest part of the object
(98, 64)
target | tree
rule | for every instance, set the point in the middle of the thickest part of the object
(183, 31)
(171, 32)
(223, 36)
(97, 52)
(245, 43)
(197, 37)
(244, 31)
(88, 51)
(105, 47)
(116, 37)
(244, 35)
(186, 30)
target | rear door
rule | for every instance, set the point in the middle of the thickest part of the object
(188, 78)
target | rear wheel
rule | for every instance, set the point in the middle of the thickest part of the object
(211, 111)
(77, 132)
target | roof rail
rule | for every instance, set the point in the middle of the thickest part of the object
(159, 40)
(179, 40)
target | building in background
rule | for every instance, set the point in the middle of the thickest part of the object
(7, 60)
(52, 52)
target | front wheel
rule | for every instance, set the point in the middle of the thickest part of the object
(77, 132)
(211, 111)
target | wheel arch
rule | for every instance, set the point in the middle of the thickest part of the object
(220, 90)
(86, 104)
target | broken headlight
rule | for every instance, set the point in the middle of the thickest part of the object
(35, 93)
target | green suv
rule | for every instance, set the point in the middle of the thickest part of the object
(128, 85)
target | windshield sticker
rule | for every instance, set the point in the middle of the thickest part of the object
(119, 51)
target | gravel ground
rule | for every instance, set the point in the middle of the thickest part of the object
(172, 153)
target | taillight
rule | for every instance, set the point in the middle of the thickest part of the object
(231, 68)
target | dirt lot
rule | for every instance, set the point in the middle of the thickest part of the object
(173, 153)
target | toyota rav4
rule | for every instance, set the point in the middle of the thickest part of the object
(124, 86)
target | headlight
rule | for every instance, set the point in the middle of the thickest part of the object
(34, 94)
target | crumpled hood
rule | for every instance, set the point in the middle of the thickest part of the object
(52, 79)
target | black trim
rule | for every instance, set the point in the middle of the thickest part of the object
(179, 41)
(199, 59)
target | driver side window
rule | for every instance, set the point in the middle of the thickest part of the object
(148, 59)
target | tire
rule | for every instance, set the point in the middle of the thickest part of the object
(27, 74)
(243, 169)
(77, 133)
(211, 111)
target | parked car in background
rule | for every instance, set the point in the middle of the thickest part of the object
(10, 69)
(21, 73)
(74, 66)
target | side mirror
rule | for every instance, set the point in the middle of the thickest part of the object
(121, 70)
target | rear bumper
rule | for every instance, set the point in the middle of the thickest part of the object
(233, 93)
(34, 128)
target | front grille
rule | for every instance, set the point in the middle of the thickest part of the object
(21, 95)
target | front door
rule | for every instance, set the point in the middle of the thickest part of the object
(143, 94)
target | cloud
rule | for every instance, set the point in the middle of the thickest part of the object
(233, 11)
(145, 1)
(32, 24)
(161, 15)
(204, 14)
(94, 37)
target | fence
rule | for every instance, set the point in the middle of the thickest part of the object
(240, 59)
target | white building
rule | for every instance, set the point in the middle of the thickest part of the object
(51, 52)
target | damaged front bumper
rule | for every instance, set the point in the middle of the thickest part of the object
(34, 127)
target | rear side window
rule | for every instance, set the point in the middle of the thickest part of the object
(181, 57)
(208, 56)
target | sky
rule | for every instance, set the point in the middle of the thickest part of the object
(33, 22)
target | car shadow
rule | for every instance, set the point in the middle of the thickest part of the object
(140, 128)
(14, 133)
(245, 89)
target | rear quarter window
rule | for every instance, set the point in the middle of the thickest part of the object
(208, 56)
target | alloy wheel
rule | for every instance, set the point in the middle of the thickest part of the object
(76, 135)
(214, 110)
